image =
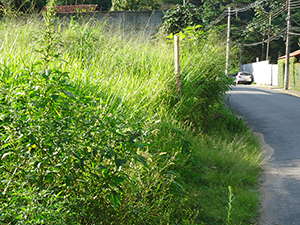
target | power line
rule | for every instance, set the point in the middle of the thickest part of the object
(295, 2)
(225, 12)
(265, 41)
(263, 18)
(292, 33)
(258, 22)
(252, 5)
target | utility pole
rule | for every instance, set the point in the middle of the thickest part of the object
(287, 49)
(228, 43)
(268, 44)
(263, 45)
(240, 57)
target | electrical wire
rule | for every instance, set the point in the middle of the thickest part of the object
(267, 40)
(261, 20)
(221, 17)
(232, 12)
(256, 23)
(295, 2)
(292, 33)
(275, 14)
(252, 5)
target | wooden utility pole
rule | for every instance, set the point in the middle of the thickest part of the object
(240, 56)
(177, 65)
(228, 43)
(263, 44)
(268, 43)
(287, 49)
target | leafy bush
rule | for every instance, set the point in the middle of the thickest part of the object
(134, 5)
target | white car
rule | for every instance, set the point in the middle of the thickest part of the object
(243, 77)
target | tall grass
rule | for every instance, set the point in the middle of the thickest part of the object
(139, 154)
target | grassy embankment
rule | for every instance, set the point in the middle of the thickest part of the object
(97, 135)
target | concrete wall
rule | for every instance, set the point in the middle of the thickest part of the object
(128, 20)
(263, 72)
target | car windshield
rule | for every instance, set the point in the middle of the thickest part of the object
(245, 73)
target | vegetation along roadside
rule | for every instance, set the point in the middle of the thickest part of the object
(92, 130)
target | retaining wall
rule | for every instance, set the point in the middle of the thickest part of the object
(129, 20)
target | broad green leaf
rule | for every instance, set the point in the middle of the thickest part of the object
(95, 175)
(81, 180)
(119, 162)
(118, 180)
(45, 73)
(5, 181)
(141, 159)
(6, 154)
(68, 180)
(115, 198)
(104, 172)
(69, 94)
(54, 97)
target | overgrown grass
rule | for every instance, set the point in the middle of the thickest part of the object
(112, 143)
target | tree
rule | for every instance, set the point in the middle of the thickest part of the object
(180, 17)
(262, 24)
(25, 6)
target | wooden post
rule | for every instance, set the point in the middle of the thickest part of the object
(228, 43)
(268, 43)
(177, 65)
(287, 48)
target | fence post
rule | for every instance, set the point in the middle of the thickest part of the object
(177, 65)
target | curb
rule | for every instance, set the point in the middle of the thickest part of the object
(289, 92)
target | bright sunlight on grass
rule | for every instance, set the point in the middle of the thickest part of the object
(92, 130)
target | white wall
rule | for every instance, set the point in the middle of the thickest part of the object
(274, 75)
(263, 72)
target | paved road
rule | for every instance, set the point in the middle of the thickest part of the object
(276, 116)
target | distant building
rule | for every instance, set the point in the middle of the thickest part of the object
(74, 8)
(295, 54)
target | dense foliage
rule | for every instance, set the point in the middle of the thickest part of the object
(180, 17)
(118, 5)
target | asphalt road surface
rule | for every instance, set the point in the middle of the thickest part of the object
(276, 116)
